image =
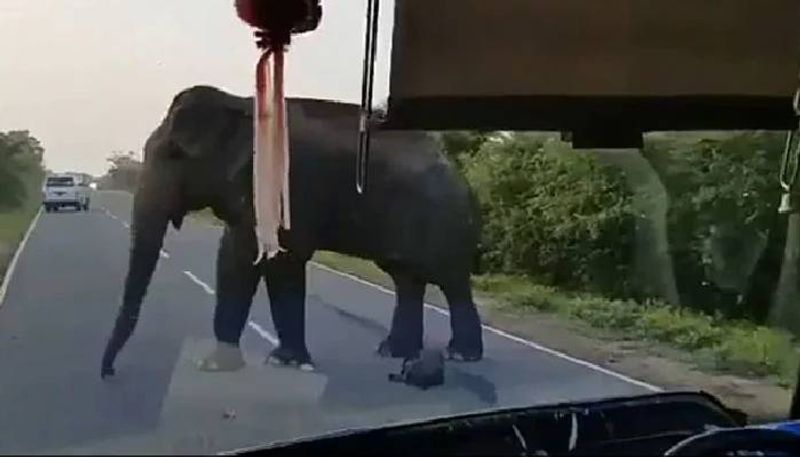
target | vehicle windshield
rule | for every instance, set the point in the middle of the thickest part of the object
(60, 182)
(193, 301)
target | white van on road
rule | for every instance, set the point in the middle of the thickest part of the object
(65, 190)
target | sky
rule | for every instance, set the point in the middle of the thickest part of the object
(87, 77)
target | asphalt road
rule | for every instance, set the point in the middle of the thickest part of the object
(62, 300)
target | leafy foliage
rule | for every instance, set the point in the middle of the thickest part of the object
(552, 213)
(723, 200)
(460, 145)
(20, 167)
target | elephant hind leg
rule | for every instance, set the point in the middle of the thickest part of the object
(466, 343)
(405, 336)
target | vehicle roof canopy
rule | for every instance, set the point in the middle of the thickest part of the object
(605, 71)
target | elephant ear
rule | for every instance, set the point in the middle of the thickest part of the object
(203, 122)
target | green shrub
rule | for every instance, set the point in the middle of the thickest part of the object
(20, 168)
(723, 197)
(552, 213)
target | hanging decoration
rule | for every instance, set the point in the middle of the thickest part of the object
(276, 21)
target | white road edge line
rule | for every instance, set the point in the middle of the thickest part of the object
(209, 290)
(507, 335)
(13, 265)
(264, 334)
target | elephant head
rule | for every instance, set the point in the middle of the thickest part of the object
(182, 162)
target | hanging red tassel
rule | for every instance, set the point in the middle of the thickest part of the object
(276, 21)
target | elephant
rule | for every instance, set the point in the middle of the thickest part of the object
(418, 221)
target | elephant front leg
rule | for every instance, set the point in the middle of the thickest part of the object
(286, 285)
(405, 336)
(237, 280)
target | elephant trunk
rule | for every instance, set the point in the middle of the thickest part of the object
(147, 235)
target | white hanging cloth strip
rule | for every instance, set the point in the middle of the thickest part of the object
(270, 154)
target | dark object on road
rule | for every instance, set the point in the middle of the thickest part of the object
(684, 423)
(425, 371)
(419, 222)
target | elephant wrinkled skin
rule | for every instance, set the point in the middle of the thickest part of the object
(417, 221)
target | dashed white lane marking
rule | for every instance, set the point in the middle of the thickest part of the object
(164, 254)
(209, 290)
(507, 335)
(263, 333)
(126, 225)
(13, 265)
(258, 329)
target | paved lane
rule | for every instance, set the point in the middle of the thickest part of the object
(62, 300)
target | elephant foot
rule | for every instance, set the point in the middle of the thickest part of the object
(387, 350)
(107, 372)
(226, 357)
(458, 354)
(288, 358)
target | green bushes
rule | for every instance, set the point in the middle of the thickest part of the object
(20, 168)
(551, 213)
(722, 219)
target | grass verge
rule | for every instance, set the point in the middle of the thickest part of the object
(13, 225)
(736, 347)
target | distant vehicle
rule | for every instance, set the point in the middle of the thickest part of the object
(66, 190)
